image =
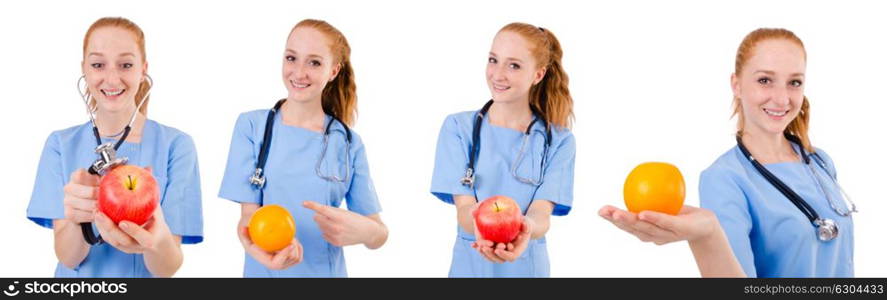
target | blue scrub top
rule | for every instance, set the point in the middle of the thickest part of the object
(499, 147)
(173, 159)
(291, 179)
(769, 235)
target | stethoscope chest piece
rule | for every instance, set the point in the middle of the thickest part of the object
(826, 229)
(468, 180)
(107, 159)
(257, 180)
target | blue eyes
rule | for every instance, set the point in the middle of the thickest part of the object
(313, 63)
(493, 60)
(102, 65)
(767, 81)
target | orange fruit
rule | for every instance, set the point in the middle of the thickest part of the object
(654, 186)
(272, 228)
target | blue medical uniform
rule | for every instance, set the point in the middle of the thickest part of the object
(171, 155)
(769, 235)
(291, 179)
(499, 148)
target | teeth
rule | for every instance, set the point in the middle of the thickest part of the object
(107, 93)
(499, 87)
(774, 113)
(301, 86)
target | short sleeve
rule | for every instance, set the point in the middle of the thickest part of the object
(720, 193)
(48, 194)
(361, 197)
(557, 184)
(450, 163)
(241, 164)
(182, 202)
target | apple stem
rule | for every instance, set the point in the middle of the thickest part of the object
(129, 184)
(497, 206)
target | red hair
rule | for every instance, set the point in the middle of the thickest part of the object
(551, 96)
(127, 25)
(797, 127)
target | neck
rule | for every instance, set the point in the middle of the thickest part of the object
(305, 114)
(769, 148)
(514, 114)
(111, 123)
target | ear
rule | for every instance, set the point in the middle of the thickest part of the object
(537, 77)
(82, 67)
(734, 84)
(335, 73)
(145, 71)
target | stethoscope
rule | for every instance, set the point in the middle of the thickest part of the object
(469, 179)
(258, 177)
(826, 229)
(107, 152)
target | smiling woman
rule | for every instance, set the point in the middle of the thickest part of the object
(530, 112)
(312, 121)
(64, 196)
(761, 198)
(783, 218)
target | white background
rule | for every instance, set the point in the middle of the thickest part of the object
(650, 82)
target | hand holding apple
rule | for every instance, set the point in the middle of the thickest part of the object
(132, 238)
(501, 231)
(512, 251)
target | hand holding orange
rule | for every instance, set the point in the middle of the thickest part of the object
(272, 228)
(655, 186)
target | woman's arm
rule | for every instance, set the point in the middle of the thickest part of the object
(465, 205)
(699, 227)
(341, 227)
(80, 206)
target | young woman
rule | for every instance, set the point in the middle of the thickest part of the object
(303, 156)
(117, 85)
(775, 195)
(519, 145)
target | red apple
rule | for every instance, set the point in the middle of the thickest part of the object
(129, 193)
(498, 219)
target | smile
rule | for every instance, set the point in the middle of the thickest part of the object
(776, 113)
(112, 93)
(299, 85)
(501, 87)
